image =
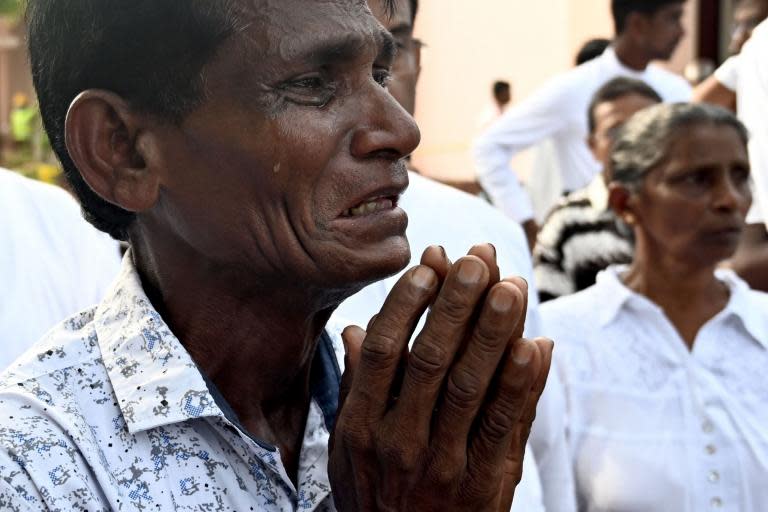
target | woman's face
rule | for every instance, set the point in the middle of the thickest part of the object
(693, 205)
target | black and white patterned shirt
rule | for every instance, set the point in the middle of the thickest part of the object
(110, 412)
(580, 238)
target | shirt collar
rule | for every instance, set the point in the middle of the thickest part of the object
(155, 379)
(613, 294)
(742, 306)
(609, 55)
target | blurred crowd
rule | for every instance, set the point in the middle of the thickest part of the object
(222, 311)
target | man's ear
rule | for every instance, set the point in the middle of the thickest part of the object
(101, 134)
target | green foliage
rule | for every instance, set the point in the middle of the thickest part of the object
(10, 7)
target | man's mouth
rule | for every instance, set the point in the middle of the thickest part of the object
(371, 206)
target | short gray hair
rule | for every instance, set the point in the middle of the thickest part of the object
(644, 141)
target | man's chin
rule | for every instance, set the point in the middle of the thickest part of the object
(374, 262)
(353, 272)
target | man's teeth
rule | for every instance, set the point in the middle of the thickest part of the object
(370, 207)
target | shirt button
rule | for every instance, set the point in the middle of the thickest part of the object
(711, 449)
(714, 477)
(708, 427)
(716, 503)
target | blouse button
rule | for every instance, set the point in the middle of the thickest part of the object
(716, 503)
(711, 449)
(708, 427)
(714, 477)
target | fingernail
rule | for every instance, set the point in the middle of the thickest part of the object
(493, 248)
(442, 251)
(523, 353)
(423, 277)
(501, 299)
(470, 272)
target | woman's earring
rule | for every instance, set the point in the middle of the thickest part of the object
(629, 219)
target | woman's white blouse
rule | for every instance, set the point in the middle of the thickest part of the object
(651, 425)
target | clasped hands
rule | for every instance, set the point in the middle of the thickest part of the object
(442, 426)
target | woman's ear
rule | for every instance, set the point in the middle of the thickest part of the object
(101, 134)
(620, 200)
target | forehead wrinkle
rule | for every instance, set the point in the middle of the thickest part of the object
(330, 31)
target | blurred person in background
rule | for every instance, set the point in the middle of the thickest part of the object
(720, 88)
(52, 262)
(582, 236)
(751, 259)
(544, 183)
(646, 30)
(22, 122)
(440, 214)
(501, 93)
(663, 361)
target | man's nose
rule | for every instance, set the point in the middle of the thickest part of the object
(385, 129)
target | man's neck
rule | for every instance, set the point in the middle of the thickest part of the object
(255, 343)
(630, 55)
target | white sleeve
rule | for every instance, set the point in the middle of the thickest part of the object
(728, 73)
(522, 126)
(752, 97)
(550, 448)
(528, 494)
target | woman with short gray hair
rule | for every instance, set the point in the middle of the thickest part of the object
(663, 360)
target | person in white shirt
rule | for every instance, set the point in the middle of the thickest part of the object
(751, 260)
(438, 214)
(720, 88)
(501, 92)
(663, 361)
(52, 262)
(206, 379)
(544, 183)
(646, 30)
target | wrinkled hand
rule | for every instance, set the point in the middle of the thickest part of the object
(444, 425)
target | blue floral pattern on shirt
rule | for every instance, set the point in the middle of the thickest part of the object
(110, 412)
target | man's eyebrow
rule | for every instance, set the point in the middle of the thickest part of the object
(402, 29)
(350, 47)
(387, 47)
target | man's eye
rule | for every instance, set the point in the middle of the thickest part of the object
(382, 76)
(311, 90)
(308, 83)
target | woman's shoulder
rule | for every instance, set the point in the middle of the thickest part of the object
(571, 315)
(740, 288)
(747, 304)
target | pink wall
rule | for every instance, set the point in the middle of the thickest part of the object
(470, 44)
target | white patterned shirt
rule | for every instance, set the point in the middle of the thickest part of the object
(653, 426)
(110, 412)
